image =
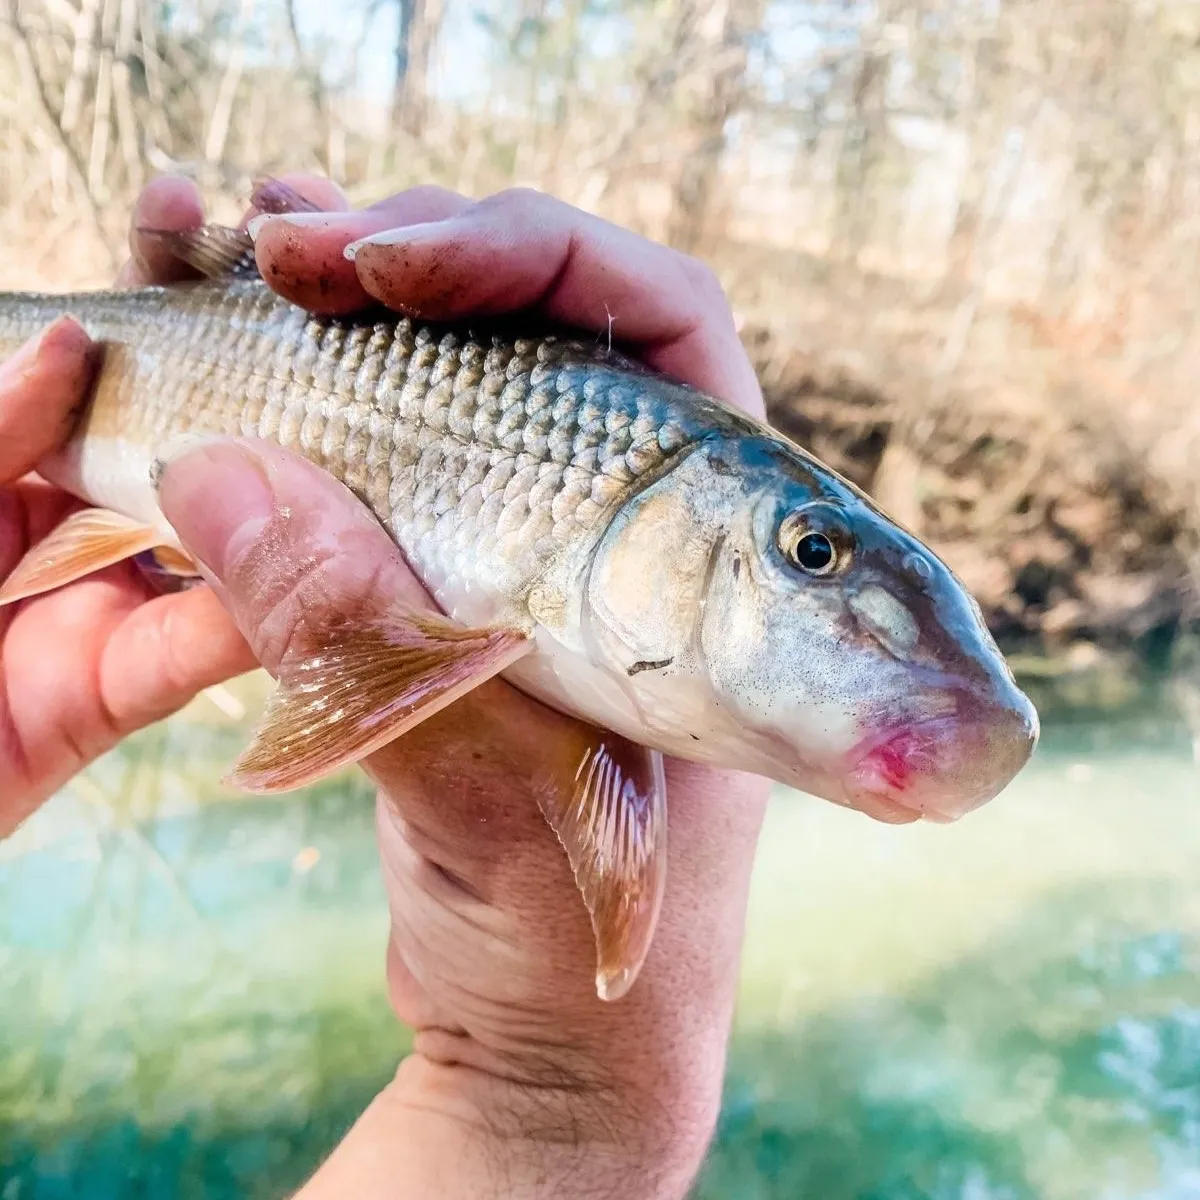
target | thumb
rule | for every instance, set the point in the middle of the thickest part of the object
(283, 543)
(290, 552)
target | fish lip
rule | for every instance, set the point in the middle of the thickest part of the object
(953, 763)
(864, 784)
(863, 749)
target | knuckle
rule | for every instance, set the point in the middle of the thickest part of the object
(703, 279)
(519, 199)
(432, 191)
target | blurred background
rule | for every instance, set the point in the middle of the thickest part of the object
(961, 240)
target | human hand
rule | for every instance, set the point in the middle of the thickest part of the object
(521, 1080)
(521, 1083)
(85, 666)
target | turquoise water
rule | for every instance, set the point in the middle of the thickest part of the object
(1005, 1009)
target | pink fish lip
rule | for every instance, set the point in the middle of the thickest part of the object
(893, 734)
(887, 766)
(936, 768)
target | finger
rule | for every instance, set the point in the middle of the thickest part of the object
(301, 254)
(172, 204)
(50, 709)
(41, 389)
(522, 250)
(286, 544)
(167, 651)
(86, 666)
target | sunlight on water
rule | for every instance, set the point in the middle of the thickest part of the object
(1002, 1010)
(1005, 1009)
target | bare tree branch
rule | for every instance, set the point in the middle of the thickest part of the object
(28, 68)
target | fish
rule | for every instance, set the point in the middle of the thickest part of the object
(679, 576)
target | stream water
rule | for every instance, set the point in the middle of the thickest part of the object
(1005, 1009)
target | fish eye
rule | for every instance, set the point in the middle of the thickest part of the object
(816, 542)
(815, 553)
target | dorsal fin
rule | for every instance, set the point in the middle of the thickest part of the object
(276, 197)
(216, 251)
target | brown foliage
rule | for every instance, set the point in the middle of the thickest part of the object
(961, 237)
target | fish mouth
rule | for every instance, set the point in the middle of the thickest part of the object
(940, 768)
(884, 770)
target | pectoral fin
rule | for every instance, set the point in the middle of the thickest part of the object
(85, 542)
(361, 684)
(272, 195)
(612, 821)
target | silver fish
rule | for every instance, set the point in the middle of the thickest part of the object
(617, 545)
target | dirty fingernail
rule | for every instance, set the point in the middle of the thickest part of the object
(299, 220)
(402, 235)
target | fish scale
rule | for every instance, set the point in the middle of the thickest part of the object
(483, 456)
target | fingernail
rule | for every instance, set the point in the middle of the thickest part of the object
(218, 498)
(62, 334)
(403, 235)
(301, 220)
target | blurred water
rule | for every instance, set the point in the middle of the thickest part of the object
(1004, 1009)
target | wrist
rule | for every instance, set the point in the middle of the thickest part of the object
(448, 1130)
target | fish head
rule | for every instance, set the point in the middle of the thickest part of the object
(858, 663)
(766, 615)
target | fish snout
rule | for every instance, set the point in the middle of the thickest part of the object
(942, 768)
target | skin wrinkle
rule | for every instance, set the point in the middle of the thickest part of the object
(287, 621)
(434, 855)
(462, 889)
(168, 634)
(562, 1113)
(511, 1128)
(527, 1066)
(548, 1074)
(554, 286)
